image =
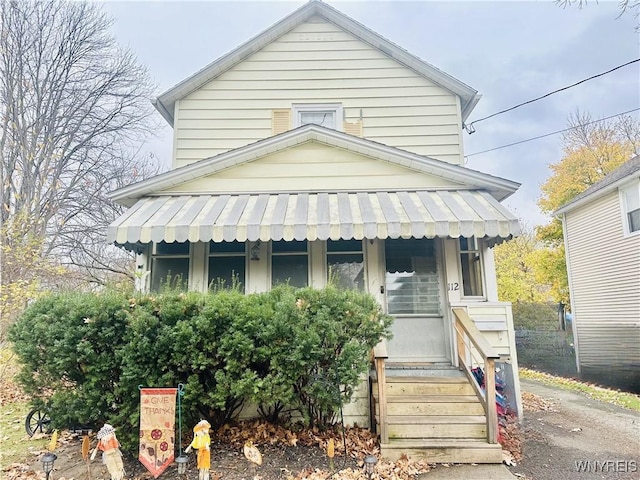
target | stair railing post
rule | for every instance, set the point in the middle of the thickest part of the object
(380, 354)
(490, 392)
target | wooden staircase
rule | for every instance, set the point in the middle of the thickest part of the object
(432, 413)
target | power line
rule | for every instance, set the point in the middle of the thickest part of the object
(470, 129)
(549, 134)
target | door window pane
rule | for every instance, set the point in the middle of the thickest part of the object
(411, 278)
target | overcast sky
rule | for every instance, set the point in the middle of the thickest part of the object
(509, 51)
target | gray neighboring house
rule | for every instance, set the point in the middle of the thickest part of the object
(602, 241)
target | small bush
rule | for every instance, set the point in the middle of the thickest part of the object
(286, 350)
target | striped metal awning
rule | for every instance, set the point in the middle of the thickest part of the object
(314, 216)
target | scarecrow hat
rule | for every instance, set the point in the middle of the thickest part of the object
(105, 431)
(202, 425)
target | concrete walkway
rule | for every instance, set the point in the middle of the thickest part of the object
(469, 472)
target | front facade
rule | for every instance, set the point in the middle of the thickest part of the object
(605, 282)
(319, 151)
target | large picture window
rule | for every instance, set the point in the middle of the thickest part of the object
(170, 265)
(345, 264)
(290, 263)
(471, 266)
(227, 265)
(411, 278)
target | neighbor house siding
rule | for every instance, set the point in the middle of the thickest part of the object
(604, 270)
(319, 63)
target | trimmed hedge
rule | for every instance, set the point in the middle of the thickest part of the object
(286, 351)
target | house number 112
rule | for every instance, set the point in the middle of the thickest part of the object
(453, 286)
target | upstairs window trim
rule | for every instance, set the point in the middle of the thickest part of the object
(630, 207)
(335, 109)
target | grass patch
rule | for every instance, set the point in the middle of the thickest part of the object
(17, 446)
(615, 397)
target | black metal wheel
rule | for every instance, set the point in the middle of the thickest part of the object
(37, 421)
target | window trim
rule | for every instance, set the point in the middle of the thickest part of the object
(480, 250)
(624, 208)
(298, 108)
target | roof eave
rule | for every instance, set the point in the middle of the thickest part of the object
(499, 188)
(573, 204)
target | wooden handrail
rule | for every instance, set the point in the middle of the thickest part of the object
(380, 355)
(465, 327)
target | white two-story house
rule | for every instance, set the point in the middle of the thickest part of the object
(319, 146)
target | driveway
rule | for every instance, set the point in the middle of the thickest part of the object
(574, 437)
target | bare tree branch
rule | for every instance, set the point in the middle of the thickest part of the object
(74, 108)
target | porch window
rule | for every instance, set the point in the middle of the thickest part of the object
(170, 265)
(227, 265)
(290, 263)
(345, 264)
(411, 278)
(631, 207)
(471, 266)
(325, 114)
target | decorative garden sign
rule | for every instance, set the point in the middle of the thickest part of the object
(157, 432)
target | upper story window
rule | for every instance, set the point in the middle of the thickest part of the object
(471, 266)
(290, 263)
(170, 265)
(630, 195)
(345, 264)
(227, 265)
(325, 114)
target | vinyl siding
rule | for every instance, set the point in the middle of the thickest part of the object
(312, 167)
(319, 63)
(605, 285)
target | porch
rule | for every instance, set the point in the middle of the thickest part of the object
(441, 412)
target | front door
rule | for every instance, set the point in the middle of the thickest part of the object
(413, 291)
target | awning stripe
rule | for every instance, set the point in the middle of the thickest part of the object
(314, 216)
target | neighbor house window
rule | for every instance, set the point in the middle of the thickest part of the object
(411, 279)
(170, 265)
(289, 263)
(471, 266)
(345, 264)
(325, 114)
(227, 265)
(631, 207)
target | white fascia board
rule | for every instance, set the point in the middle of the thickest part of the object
(499, 188)
(469, 97)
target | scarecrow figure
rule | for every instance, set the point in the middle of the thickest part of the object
(111, 455)
(201, 441)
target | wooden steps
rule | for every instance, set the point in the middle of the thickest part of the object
(434, 415)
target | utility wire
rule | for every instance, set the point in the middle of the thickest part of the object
(549, 134)
(470, 129)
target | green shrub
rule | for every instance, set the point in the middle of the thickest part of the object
(286, 350)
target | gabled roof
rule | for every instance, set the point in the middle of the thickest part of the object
(499, 188)
(610, 182)
(166, 101)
